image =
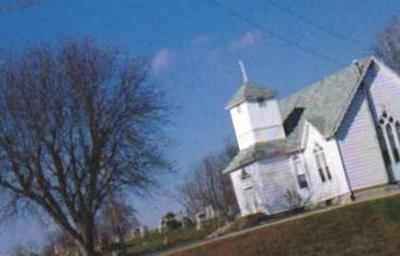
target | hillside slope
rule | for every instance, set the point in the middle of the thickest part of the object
(369, 228)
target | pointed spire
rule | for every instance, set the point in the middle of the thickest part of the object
(249, 91)
(243, 69)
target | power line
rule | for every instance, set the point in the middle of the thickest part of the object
(317, 26)
(272, 33)
(15, 5)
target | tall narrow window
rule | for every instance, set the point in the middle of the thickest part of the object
(326, 166)
(398, 130)
(383, 144)
(319, 165)
(392, 142)
(328, 172)
(302, 180)
(322, 163)
(301, 176)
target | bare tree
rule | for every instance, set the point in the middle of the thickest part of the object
(59, 244)
(387, 44)
(78, 120)
(27, 249)
(207, 185)
(116, 220)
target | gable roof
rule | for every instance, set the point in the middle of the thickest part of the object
(249, 91)
(323, 104)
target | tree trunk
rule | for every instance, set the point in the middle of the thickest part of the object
(90, 246)
(121, 243)
(87, 247)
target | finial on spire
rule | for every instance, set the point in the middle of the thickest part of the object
(243, 69)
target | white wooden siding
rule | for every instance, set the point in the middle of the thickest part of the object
(384, 89)
(240, 185)
(254, 124)
(337, 186)
(274, 179)
(270, 181)
(359, 145)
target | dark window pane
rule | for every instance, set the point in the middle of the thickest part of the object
(328, 173)
(321, 174)
(302, 181)
(244, 175)
(393, 143)
(383, 145)
(398, 130)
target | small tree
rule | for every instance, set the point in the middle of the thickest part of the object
(23, 250)
(77, 121)
(59, 244)
(116, 220)
(206, 184)
(170, 221)
(293, 199)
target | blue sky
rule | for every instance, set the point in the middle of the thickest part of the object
(193, 48)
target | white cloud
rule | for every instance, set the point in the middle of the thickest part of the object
(249, 39)
(201, 40)
(162, 60)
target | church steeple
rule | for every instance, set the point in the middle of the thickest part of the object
(250, 92)
(255, 113)
(243, 69)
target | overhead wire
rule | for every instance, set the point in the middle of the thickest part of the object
(295, 44)
(311, 23)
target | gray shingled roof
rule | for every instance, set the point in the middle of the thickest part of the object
(260, 151)
(250, 91)
(323, 104)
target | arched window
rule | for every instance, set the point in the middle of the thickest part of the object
(325, 164)
(392, 142)
(389, 136)
(319, 166)
(322, 163)
(398, 130)
(383, 144)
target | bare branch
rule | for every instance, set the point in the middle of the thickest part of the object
(76, 121)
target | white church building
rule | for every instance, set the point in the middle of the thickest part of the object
(336, 137)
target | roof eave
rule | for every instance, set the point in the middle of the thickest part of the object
(230, 170)
(343, 114)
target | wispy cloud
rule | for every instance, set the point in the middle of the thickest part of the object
(201, 40)
(248, 40)
(162, 60)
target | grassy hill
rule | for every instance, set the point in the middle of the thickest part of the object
(369, 228)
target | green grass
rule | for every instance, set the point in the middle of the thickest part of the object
(155, 242)
(370, 228)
